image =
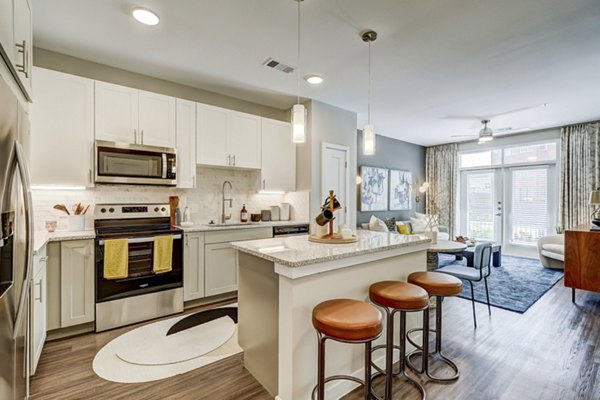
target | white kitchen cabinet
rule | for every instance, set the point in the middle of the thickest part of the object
(212, 136)
(7, 29)
(157, 119)
(62, 129)
(228, 138)
(186, 144)
(15, 41)
(278, 167)
(244, 140)
(116, 113)
(134, 116)
(193, 267)
(76, 282)
(221, 269)
(38, 304)
(23, 48)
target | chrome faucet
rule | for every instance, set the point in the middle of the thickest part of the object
(224, 217)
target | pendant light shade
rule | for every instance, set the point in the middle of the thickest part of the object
(298, 123)
(298, 111)
(369, 140)
(369, 129)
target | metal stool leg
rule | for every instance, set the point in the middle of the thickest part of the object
(368, 370)
(423, 350)
(321, 369)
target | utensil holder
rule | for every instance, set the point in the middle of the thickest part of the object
(76, 223)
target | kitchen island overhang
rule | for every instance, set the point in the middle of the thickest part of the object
(282, 279)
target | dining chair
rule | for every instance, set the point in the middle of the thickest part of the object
(479, 272)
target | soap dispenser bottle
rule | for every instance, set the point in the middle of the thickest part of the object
(244, 214)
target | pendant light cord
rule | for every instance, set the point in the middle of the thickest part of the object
(298, 60)
(369, 97)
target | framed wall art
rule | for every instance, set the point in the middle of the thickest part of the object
(373, 189)
(400, 190)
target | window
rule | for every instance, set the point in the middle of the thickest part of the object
(481, 159)
(529, 216)
(530, 153)
(480, 205)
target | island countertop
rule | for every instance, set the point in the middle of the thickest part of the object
(298, 251)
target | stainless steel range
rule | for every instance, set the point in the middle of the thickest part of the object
(143, 294)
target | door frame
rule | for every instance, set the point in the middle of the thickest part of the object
(324, 191)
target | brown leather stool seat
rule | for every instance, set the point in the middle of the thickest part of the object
(399, 295)
(347, 320)
(436, 283)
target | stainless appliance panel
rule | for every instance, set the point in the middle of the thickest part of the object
(130, 310)
(132, 165)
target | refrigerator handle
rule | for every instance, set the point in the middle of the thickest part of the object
(24, 174)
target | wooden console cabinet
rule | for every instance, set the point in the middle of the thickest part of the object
(582, 259)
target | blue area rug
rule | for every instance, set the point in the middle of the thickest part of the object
(514, 286)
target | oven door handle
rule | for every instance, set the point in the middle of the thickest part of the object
(140, 240)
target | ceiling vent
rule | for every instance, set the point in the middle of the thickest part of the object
(271, 63)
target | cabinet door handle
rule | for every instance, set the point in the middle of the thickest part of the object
(228, 159)
(234, 160)
(43, 259)
(135, 136)
(194, 182)
(24, 68)
(264, 184)
(90, 176)
(39, 284)
(142, 136)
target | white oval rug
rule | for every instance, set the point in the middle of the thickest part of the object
(142, 355)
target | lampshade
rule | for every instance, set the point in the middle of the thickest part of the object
(369, 140)
(298, 123)
(595, 197)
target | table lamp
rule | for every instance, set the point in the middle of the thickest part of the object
(595, 201)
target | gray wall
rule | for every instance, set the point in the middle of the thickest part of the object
(393, 154)
(88, 69)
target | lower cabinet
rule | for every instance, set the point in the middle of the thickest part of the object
(221, 269)
(38, 304)
(76, 282)
(193, 271)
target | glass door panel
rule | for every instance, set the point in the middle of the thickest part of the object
(480, 205)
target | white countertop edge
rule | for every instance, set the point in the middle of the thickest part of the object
(41, 238)
(330, 265)
(249, 225)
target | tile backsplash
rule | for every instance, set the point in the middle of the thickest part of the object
(204, 201)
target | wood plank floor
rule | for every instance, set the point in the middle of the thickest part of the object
(552, 352)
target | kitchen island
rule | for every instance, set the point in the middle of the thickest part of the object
(282, 279)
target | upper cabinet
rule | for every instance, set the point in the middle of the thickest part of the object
(186, 144)
(228, 138)
(134, 116)
(62, 117)
(16, 41)
(278, 171)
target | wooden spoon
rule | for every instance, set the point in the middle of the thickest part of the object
(61, 207)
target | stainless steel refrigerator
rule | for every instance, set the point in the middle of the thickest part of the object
(16, 248)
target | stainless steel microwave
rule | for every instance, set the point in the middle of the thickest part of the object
(135, 164)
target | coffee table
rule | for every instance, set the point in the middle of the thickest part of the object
(469, 254)
(443, 246)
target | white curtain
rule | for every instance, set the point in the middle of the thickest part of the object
(580, 172)
(441, 171)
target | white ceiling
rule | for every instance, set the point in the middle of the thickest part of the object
(433, 60)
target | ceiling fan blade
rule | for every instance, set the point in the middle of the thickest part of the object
(464, 136)
(509, 130)
(464, 117)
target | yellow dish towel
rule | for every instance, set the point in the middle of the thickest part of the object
(163, 254)
(116, 258)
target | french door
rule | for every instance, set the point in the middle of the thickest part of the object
(513, 206)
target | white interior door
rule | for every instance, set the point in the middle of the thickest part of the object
(335, 176)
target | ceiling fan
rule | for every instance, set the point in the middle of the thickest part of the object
(486, 134)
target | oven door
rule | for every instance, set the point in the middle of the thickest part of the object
(134, 164)
(141, 278)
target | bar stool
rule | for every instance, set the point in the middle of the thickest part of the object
(346, 321)
(438, 285)
(398, 297)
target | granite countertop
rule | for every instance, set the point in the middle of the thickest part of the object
(235, 226)
(297, 251)
(40, 238)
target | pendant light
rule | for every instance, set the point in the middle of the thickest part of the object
(369, 129)
(298, 111)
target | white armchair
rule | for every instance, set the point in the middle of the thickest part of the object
(552, 251)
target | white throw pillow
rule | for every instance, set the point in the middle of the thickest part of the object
(419, 215)
(418, 225)
(377, 225)
(554, 248)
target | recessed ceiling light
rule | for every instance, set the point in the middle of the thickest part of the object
(314, 79)
(145, 16)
